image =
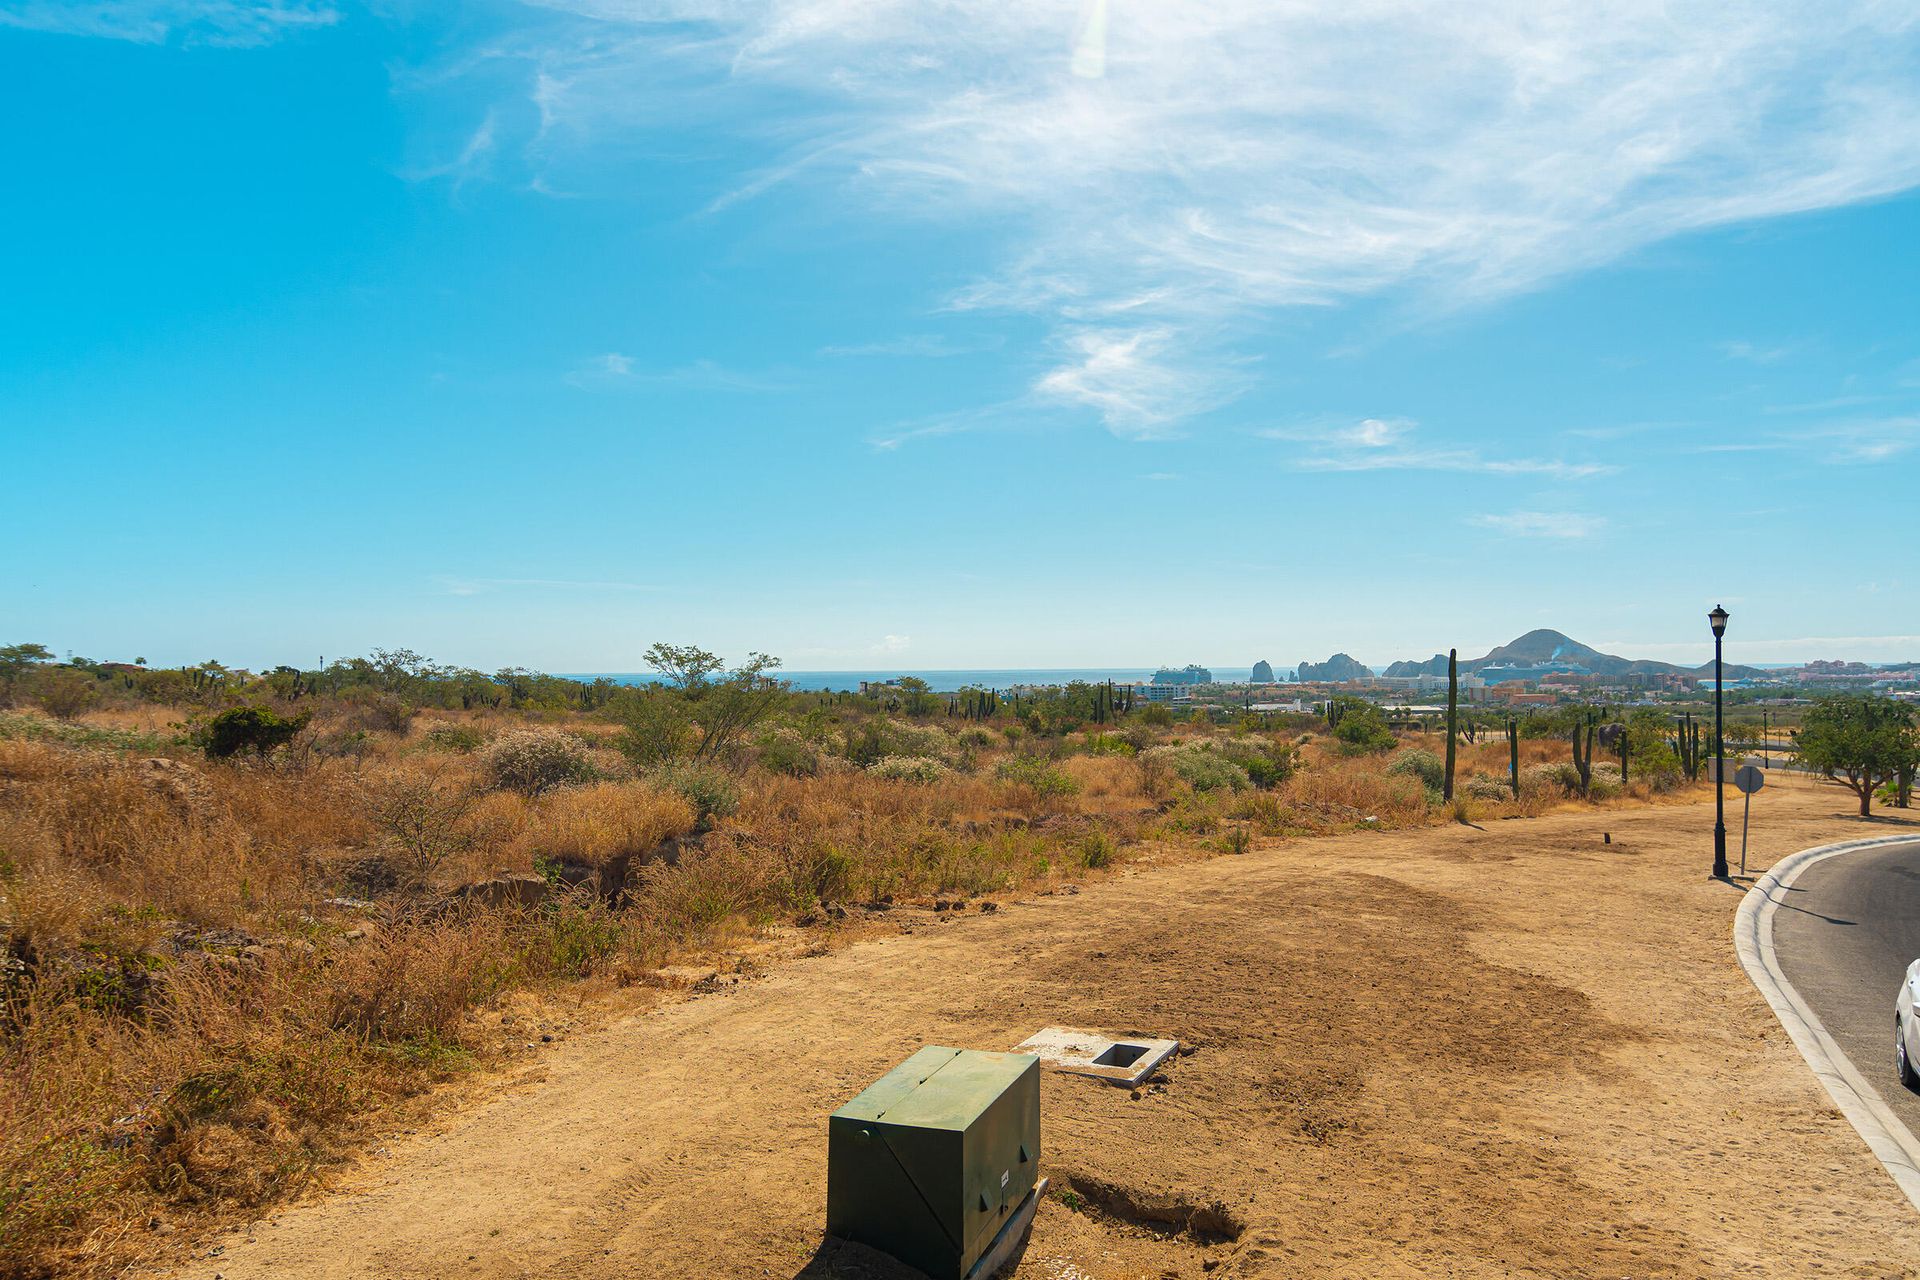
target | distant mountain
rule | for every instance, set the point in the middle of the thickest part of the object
(1544, 645)
(1547, 646)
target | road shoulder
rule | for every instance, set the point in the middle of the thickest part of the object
(1892, 1143)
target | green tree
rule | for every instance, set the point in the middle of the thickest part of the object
(16, 660)
(65, 694)
(248, 729)
(1651, 756)
(917, 699)
(1363, 730)
(703, 710)
(1859, 740)
(656, 723)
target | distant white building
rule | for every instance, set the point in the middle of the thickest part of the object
(1428, 684)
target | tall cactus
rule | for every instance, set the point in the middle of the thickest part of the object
(1686, 745)
(1453, 713)
(1583, 730)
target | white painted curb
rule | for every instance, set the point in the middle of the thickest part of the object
(1891, 1141)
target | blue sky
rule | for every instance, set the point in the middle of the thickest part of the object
(875, 333)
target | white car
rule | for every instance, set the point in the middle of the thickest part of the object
(1906, 1028)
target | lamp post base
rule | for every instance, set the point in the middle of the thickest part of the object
(1719, 851)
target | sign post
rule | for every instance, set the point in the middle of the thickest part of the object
(1749, 780)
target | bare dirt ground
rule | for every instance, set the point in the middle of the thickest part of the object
(1517, 1051)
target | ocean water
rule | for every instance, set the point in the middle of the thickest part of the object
(945, 681)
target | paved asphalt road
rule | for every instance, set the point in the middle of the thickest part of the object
(1845, 934)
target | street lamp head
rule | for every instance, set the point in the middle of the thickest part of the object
(1718, 619)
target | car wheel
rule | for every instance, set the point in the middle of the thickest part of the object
(1900, 1061)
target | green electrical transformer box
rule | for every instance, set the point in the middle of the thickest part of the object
(930, 1162)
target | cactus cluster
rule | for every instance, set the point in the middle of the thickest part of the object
(1688, 746)
(1111, 702)
(975, 704)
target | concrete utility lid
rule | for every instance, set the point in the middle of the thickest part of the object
(1127, 1060)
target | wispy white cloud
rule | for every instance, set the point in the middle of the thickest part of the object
(214, 22)
(1560, 525)
(1386, 444)
(1865, 440)
(994, 416)
(1137, 380)
(1869, 441)
(1753, 354)
(1160, 169)
(470, 162)
(1828, 405)
(927, 345)
(614, 369)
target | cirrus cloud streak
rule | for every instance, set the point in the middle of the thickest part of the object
(1157, 168)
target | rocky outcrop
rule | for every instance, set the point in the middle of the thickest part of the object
(1339, 667)
(1434, 666)
(512, 889)
(1262, 672)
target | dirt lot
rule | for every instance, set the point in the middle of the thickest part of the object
(1519, 1051)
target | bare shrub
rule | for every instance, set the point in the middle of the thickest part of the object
(1417, 762)
(404, 984)
(712, 792)
(534, 761)
(460, 738)
(697, 898)
(1482, 786)
(1201, 765)
(65, 694)
(784, 751)
(1549, 780)
(924, 769)
(418, 816)
(1355, 788)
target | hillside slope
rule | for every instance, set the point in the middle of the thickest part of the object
(1547, 645)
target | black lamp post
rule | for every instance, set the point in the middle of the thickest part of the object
(1718, 620)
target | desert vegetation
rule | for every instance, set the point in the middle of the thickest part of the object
(243, 915)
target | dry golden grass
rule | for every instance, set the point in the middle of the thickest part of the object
(186, 1022)
(597, 823)
(1106, 782)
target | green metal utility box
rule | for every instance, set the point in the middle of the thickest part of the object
(930, 1162)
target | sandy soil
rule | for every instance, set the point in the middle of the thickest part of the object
(1518, 1051)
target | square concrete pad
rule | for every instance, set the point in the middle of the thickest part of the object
(1123, 1060)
